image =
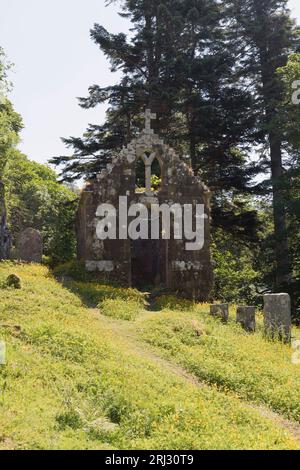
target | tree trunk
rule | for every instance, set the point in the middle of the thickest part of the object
(193, 150)
(283, 274)
(5, 239)
(272, 92)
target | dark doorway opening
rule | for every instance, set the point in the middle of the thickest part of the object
(146, 263)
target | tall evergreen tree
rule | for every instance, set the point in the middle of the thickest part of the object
(179, 62)
(290, 119)
(264, 36)
(148, 64)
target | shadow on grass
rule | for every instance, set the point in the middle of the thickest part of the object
(87, 291)
(93, 291)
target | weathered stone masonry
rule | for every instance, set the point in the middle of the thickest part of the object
(164, 262)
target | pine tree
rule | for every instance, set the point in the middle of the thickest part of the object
(265, 35)
(290, 118)
(179, 62)
(220, 116)
(148, 63)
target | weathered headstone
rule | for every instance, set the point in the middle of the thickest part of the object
(30, 246)
(246, 317)
(220, 311)
(277, 316)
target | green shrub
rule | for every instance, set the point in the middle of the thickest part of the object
(13, 281)
(235, 278)
(69, 419)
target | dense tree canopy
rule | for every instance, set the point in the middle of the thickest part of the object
(180, 63)
(35, 199)
(10, 126)
(290, 118)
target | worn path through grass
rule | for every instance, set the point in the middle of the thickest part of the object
(130, 333)
(76, 378)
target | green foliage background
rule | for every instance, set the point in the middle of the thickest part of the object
(35, 199)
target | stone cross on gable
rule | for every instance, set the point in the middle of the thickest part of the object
(148, 118)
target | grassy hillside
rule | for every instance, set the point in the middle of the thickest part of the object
(92, 367)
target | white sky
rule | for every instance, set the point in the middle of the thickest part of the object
(56, 61)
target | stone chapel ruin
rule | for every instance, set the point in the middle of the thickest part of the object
(145, 262)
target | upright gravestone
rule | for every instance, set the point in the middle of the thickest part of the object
(30, 246)
(246, 317)
(277, 316)
(220, 311)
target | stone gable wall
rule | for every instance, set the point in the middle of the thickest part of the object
(186, 272)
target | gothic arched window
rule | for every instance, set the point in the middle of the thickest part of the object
(148, 173)
(140, 175)
(155, 175)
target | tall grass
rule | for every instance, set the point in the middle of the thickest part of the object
(72, 382)
(251, 366)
